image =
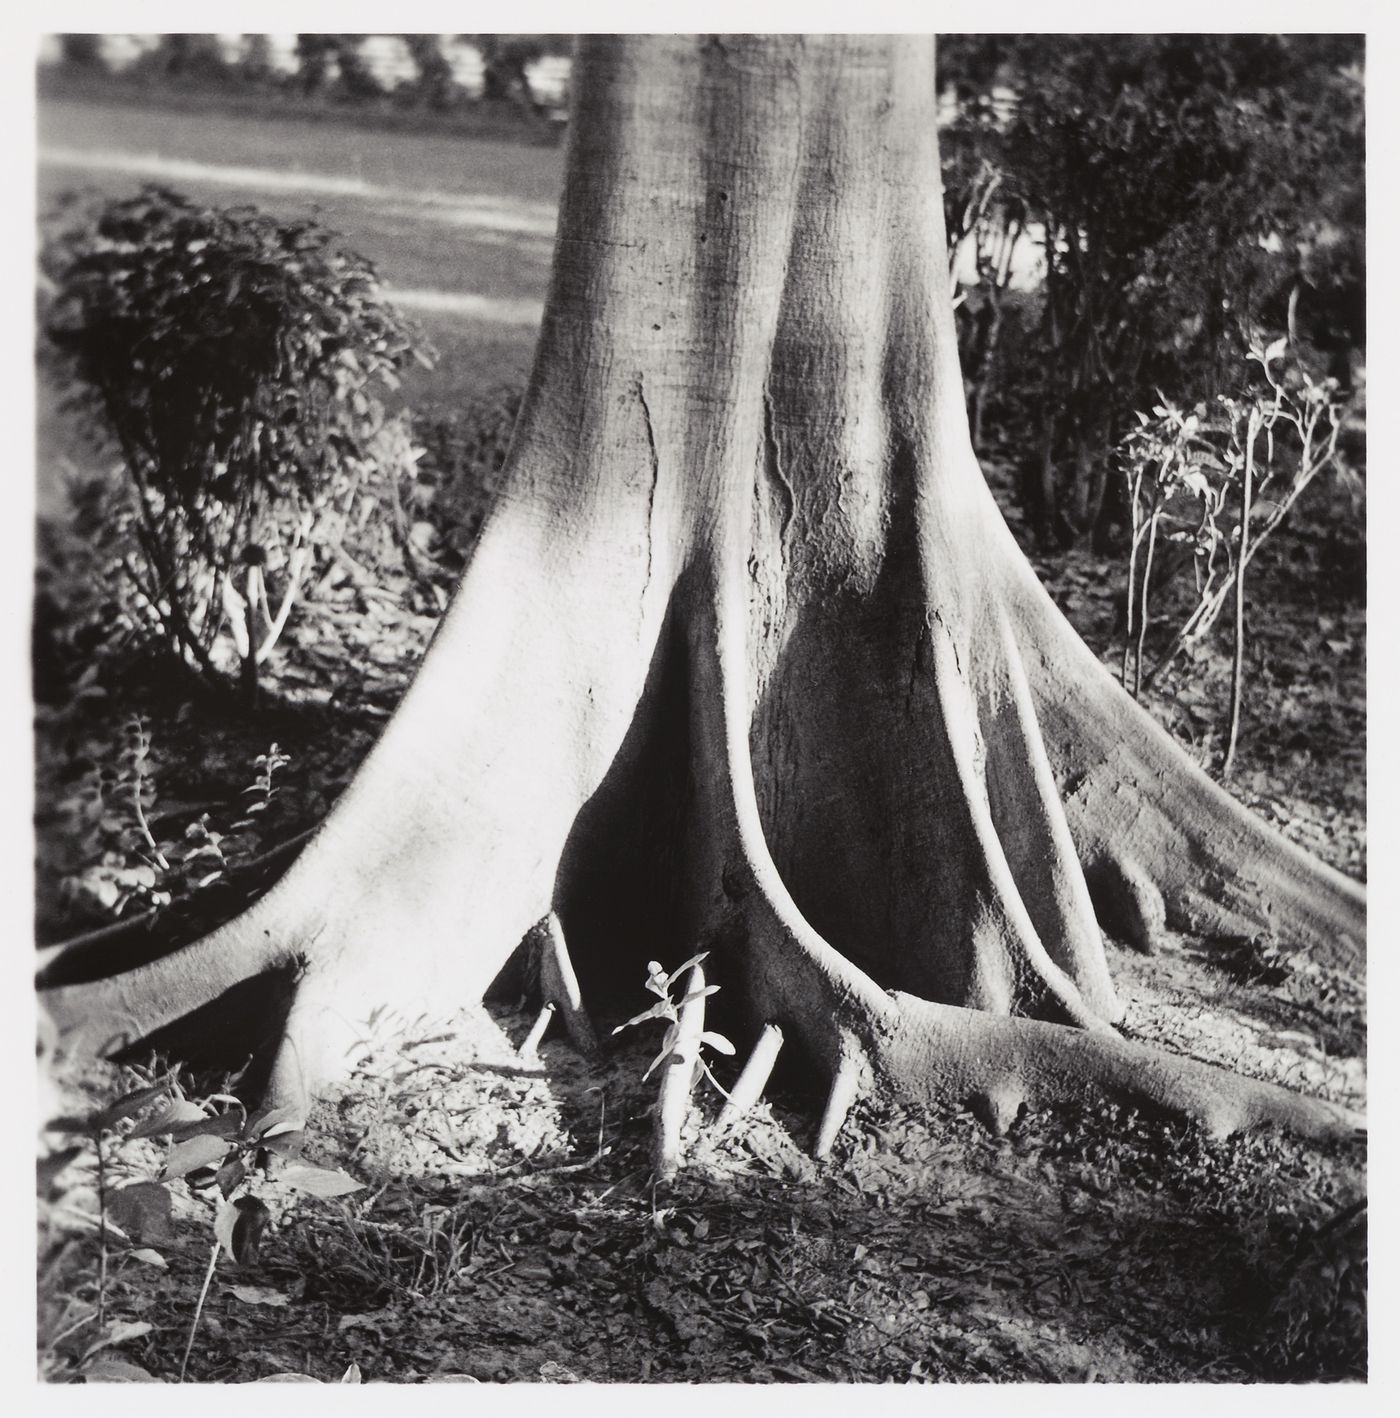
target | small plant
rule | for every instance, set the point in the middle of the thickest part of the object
(126, 864)
(660, 984)
(1201, 479)
(237, 363)
(680, 1054)
(112, 825)
(214, 1148)
(1314, 1304)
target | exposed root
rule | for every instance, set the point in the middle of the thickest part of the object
(1127, 900)
(127, 1007)
(135, 940)
(937, 1054)
(530, 1045)
(749, 1086)
(851, 1073)
(558, 984)
(999, 1105)
(1153, 826)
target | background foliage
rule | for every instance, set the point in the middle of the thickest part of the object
(1177, 194)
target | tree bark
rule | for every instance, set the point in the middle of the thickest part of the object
(747, 661)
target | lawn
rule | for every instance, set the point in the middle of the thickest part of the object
(434, 212)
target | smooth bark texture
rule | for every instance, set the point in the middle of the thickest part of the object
(747, 660)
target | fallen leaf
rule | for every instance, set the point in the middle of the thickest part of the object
(107, 1370)
(552, 1373)
(257, 1295)
(318, 1181)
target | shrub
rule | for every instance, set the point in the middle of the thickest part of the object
(1178, 190)
(238, 364)
(1214, 484)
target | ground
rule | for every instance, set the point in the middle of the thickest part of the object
(508, 1228)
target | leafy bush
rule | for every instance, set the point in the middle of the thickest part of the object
(1177, 191)
(239, 365)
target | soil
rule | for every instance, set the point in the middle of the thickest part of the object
(507, 1228)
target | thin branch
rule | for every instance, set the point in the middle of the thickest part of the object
(1237, 675)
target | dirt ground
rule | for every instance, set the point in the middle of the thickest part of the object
(508, 1228)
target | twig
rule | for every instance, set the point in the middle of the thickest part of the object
(1153, 518)
(296, 568)
(198, 1310)
(101, 1234)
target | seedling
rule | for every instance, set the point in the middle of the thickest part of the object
(672, 1053)
(680, 1051)
(211, 1144)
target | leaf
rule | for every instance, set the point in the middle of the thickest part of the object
(372, 1320)
(319, 1182)
(142, 1210)
(268, 1122)
(149, 1257)
(699, 994)
(1276, 349)
(50, 1168)
(258, 1295)
(186, 1157)
(207, 1125)
(284, 1144)
(662, 1010)
(554, 1373)
(109, 1370)
(717, 1041)
(669, 1056)
(175, 1112)
(230, 1176)
(127, 1106)
(681, 969)
(117, 1333)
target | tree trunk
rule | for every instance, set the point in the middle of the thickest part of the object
(747, 661)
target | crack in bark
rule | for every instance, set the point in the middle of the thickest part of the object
(774, 465)
(655, 479)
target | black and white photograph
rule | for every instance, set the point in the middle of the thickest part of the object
(695, 704)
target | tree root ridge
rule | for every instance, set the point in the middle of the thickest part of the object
(909, 800)
(940, 1057)
(1164, 844)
